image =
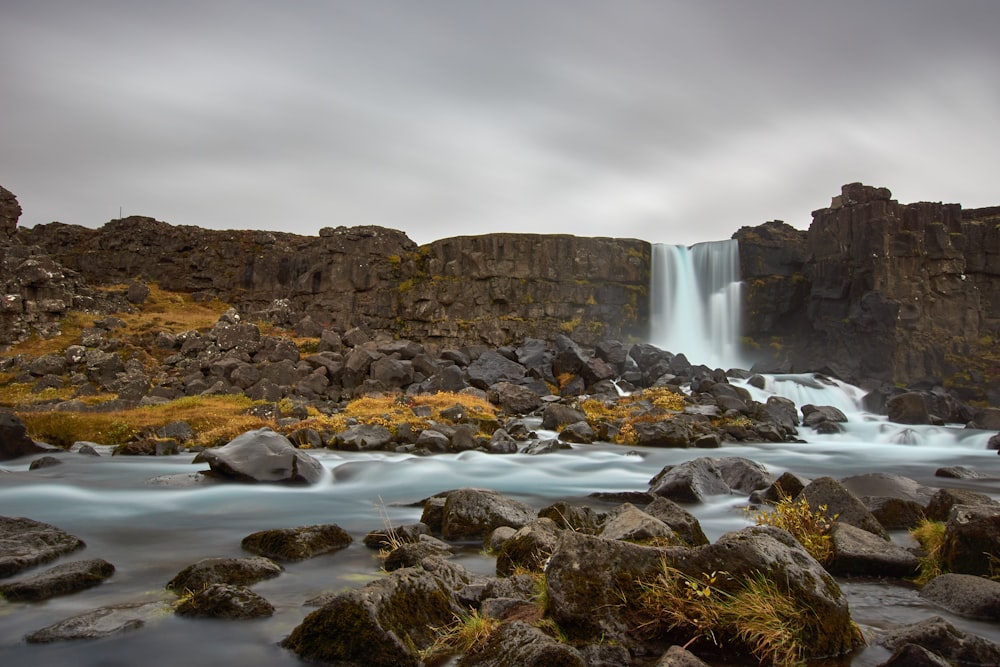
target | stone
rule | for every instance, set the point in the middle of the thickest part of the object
(234, 571)
(384, 624)
(103, 622)
(941, 503)
(911, 655)
(25, 543)
(826, 491)
(579, 433)
(363, 437)
(522, 644)
(501, 442)
(411, 554)
(63, 579)
(814, 415)
(388, 536)
(14, 440)
(528, 548)
(679, 657)
(224, 601)
(965, 594)
(628, 522)
(492, 367)
(683, 524)
(942, 638)
(474, 513)
(856, 552)
(971, 538)
(557, 415)
(574, 517)
(295, 544)
(547, 446)
(262, 456)
(514, 399)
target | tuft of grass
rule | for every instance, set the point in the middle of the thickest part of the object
(810, 527)
(772, 626)
(930, 535)
(466, 633)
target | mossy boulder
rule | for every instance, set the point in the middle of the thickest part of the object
(234, 571)
(474, 513)
(386, 623)
(294, 544)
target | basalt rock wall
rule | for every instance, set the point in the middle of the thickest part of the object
(492, 289)
(878, 291)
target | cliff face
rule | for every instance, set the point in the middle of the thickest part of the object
(877, 290)
(491, 289)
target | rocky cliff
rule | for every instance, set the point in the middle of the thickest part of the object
(876, 291)
(492, 289)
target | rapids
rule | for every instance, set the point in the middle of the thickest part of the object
(150, 530)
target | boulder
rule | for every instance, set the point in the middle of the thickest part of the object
(666, 433)
(942, 638)
(14, 440)
(907, 408)
(25, 543)
(384, 624)
(546, 446)
(522, 644)
(411, 554)
(528, 548)
(234, 571)
(389, 536)
(514, 399)
(474, 513)
(224, 601)
(941, 503)
(363, 437)
(501, 442)
(683, 524)
(628, 522)
(692, 481)
(814, 415)
(294, 544)
(262, 456)
(856, 552)
(63, 579)
(965, 594)
(580, 433)
(826, 491)
(574, 517)
(677, 656)
(103, 622)
(897, 502)
(971, 538)
(492, 367)
(557, 415)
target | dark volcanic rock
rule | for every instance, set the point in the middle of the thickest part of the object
(965, 595)
(293, 544)
(60, 580)
(475, 513)
(235, 571)
(103, 622)
(14, 440)
(224, 601)
(25, 543)
(857, 552)
(847, 506)
(971, 538)
(938, 636)
(518, 643)
(262, 456)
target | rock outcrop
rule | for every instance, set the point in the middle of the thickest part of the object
(876, 290)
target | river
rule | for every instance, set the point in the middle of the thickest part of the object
(151, 531)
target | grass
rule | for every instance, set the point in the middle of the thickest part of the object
(810, 527)
(214, 419)
(649, 405)
(772, 625)
(466, 633)
(930, 535)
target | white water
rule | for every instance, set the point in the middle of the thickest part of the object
(695, 302)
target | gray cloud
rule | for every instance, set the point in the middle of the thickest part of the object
(670, 121)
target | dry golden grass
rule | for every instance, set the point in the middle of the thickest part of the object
(930, 535)
(648, 405)
(214, 419)
(810, 527)
(467, 633)
(393, 410)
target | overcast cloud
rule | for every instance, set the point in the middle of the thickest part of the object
(674, 122)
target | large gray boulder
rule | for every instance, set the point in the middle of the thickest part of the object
(942, 638)
(971, 539)
(233, 571)
(841, 502)
(475, 513)
(262, 456)
(965, 595)
(856, 552)
(224, 601)
(518, 643)
(26, 543)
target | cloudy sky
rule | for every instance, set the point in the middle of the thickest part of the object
(669, 121)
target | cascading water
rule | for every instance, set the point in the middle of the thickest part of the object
(695, 302)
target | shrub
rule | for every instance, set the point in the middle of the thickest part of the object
(811, 528)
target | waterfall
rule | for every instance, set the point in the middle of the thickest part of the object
(695, 302)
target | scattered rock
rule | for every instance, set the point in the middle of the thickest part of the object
(103, 622)
(294, 544)
(262, 456)
(14, 440)
(518, 643)
(25, 543)
(942, 638)
(857, 552)
(224, 601)
(965, 595)
(234, 571)
(62, 579)
(474, 513)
